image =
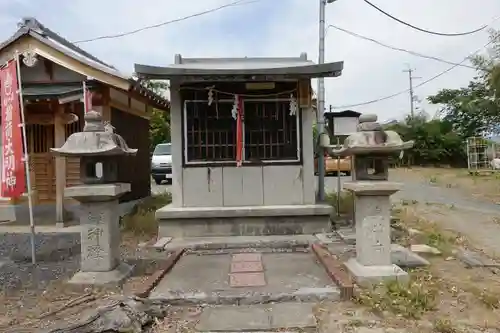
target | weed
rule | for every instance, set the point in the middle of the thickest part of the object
(444, 326)
(141, 220)
(430, 233)
(344, 204)
(410, 300)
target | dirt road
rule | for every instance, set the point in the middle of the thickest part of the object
(460, 204)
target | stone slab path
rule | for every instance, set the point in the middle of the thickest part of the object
(245, 278)
(269, 317)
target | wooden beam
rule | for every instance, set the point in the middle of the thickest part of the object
(125, 108)
(59, 139)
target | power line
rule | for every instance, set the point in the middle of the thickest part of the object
(209, 11)
(420, 84)
(425, 30)
(397, 48)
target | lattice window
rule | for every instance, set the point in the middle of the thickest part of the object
(271, 132)
(210, 131)
(40, 138)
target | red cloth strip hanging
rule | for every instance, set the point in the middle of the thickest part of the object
(239, 131)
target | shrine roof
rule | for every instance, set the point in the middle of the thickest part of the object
(298, 67)
(31, 27)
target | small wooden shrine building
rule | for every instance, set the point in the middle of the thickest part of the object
(242, 146)
(52, 74)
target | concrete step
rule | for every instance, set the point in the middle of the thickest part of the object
(246, 297)
(240, 242)
(259, 318)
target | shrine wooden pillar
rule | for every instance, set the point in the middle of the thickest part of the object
(60, 165)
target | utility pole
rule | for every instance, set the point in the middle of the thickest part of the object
(412, 97)
(412, 93)
(320, 121)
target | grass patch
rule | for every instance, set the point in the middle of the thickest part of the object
(141, 219)
(444, 326)
(488, 298)
(410, 300)
(344, 205)
(430, 233)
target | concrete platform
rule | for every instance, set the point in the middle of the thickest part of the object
(243, 220)
(240, 279)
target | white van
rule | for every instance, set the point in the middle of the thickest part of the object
(161, 163)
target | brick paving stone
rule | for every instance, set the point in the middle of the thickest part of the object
(247, 257)
(246, 266)
(247, 280)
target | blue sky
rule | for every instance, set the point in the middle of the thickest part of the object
(280, 28)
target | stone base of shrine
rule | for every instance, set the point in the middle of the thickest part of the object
(184, 222)
(114, 277)
(367, 276)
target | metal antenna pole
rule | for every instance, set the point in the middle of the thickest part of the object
(320, 121)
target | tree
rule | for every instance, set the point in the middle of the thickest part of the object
(475, 109)
(436, 143)
(159, 124)
(471, 110)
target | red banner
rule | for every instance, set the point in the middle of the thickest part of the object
(13, 181)
(239, 131)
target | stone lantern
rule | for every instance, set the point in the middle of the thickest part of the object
(98, 149)
(370, 149)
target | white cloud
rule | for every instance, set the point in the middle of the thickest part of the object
(285, 28)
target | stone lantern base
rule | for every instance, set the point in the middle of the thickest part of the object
(100, 233)
(372, 216)
(114, 277)
(367, 276)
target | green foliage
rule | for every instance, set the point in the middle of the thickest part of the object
(475, 109)
(159, 125)
(141, 219)
(436, 143)
(472, 110)
(343, 204)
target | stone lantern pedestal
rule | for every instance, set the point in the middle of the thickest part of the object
(373, 232)
(100, 233)
(98, 148)
(370, 149)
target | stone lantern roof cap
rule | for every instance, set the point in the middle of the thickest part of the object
(97, 139)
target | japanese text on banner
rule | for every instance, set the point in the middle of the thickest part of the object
(13, 181)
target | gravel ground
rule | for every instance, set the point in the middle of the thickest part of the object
(425, 192)
(27, 291)
(58, 257)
